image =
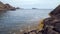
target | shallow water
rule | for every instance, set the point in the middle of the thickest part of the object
(14, 21)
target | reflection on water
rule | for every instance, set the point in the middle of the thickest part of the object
(16, 21)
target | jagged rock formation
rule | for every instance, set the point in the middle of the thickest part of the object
(53, 23)
(6, 7)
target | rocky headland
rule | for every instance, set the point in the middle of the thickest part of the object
(6, 7)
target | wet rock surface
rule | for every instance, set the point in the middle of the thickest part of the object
(51, 24)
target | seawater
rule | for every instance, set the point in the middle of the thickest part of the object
(15, 20)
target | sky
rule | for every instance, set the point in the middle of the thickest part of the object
(28, 4)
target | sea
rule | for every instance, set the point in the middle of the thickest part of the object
(14, 21)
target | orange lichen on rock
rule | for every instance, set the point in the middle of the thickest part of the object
(40, 25)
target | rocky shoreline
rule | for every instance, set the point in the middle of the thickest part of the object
(6, 7)
(50, 25)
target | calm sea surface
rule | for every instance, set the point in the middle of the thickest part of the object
(15, 20)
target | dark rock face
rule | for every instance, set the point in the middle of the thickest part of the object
(56, 12)
(57, 26)
(48, 21)
(53, 22)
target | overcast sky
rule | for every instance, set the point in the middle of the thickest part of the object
(42, 4)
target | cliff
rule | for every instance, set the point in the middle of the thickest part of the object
(5, 7)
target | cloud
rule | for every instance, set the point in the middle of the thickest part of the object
(33, 3)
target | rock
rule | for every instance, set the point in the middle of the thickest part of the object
(25, 33)
(34, 8)
(56, 12)
(40, 32)
(51, 31)
(52, 23)
(2, 5)
(57, 26)
(32, 32)
(5, 7)
(48, 21)
(17, 8)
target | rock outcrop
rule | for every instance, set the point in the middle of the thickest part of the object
(5, 7)
(52, 23)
